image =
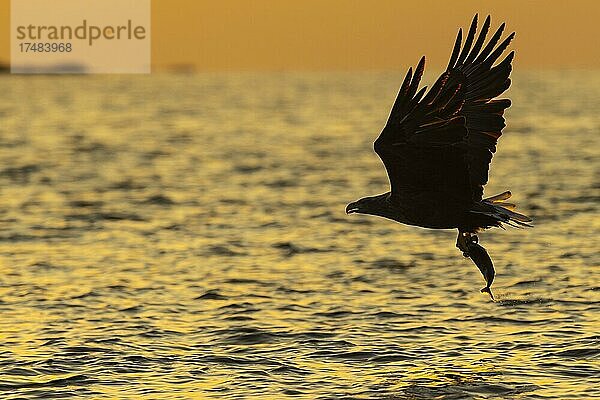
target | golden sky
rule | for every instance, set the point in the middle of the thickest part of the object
(356, 34)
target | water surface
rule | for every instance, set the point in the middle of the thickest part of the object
(182, 237)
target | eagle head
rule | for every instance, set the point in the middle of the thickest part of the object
(373, 205)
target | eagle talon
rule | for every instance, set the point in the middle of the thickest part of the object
(462, 242)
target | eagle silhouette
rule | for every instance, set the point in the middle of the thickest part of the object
(437, 147)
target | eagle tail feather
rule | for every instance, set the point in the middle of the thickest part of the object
(502, 212)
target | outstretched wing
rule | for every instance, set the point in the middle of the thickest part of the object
(443, 141)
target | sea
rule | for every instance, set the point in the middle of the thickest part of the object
(184, 236)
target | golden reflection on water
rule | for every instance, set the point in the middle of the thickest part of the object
(185, 237)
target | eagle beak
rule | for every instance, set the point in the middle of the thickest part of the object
(351, 208)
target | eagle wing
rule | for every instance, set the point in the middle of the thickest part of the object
(443, 141)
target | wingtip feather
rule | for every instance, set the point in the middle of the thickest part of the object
(455, 50)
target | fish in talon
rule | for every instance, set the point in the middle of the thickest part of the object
(483, 261)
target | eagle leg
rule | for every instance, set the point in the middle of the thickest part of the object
(464, 240)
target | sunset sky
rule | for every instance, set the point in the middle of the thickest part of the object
(356, 35)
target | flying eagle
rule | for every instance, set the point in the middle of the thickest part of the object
(437, 147)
